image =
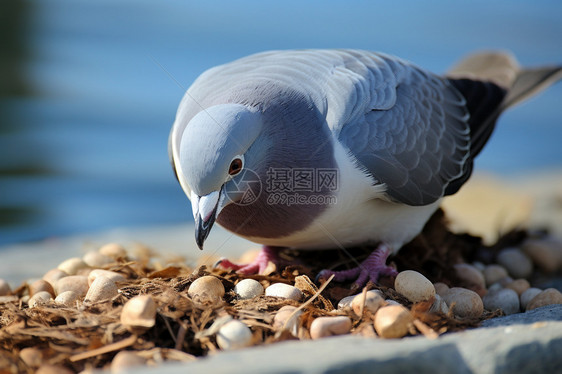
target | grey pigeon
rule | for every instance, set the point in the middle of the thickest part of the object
(323, 149)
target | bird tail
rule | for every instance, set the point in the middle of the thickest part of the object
(503, 69)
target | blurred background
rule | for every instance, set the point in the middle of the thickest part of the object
(89, 90)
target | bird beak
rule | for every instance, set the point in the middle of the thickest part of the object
(205, 211)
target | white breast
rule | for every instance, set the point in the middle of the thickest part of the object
(359, 216)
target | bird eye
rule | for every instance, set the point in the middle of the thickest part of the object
(235, 166)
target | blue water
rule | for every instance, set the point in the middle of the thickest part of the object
(106, 77)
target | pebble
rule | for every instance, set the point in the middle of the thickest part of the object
(67, 298)
(283, 315)
(372, 301)
(547, 297)
(439, 305)
(414, 286)
(72, 266)
(393, 321)
(126, 360)
(233, 335)
(495, 287)
(470, 275)
(96, 259)
(493, 273)
(40, 298)
(139, 313)
(528, 295)
(76, 283)
(4, 288)
(467, 303)
(248, 289)
(31, 356)
(206, 290)
(284, 290)
(544, 254)
(345, 304)
(114, 276)
(519, 286)
(440, 288)
(517, 264)
(505, 281)
(41, 285)
(505, 299)
(53, 369)
(113, 250)
(53, 275)
(330, 326)
(392, 302)
(102, 288)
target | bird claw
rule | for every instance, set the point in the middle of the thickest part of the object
(259, 265)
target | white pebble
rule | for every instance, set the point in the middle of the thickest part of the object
(139, 313)
(330, 326)
(248, 289)
(67, 298)
(206, 290)
(493, 273)
(76, 283)
(234, 335)
(31, 356)
(393, 321)
(505, 299)
(4, 288)
(72, 266)
(414, 286)
(102, 288)
(470, 275)
(96, 259)
(113, 250)
(284, 290)
(345, 304)
(372, 301)
(40, 298)
(467, 303)
(53, 275)
(41, 285)
(392, 302)
(114, 276)
(528, 295)
(517, 264)
(126, 361)
(281, 319)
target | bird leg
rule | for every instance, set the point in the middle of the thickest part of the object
(258, 265)
(370, 269)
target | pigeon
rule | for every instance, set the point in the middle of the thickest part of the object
(328, 149)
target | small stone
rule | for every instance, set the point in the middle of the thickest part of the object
(393, 321)
(72, 266)
(505, 299)
(206, 290)
(528, 295)
(493, 273)
(505, 281)
(124, 361)
(440, 288)
(114, 276)
(234, 335)
(517, 264)
(372, 301)
(519, 286)
(4, 288)
(41, 285)
(67, 298)
(345, 304)
(139, 313)
(470, 275)
(40, 298)
(284, 290)
(113, 250)
(76, 283)
(414, 286)
(53, 275)
(549, 296)
(102, 288)
(329, 326)
(96, 259)
(495, 287)
(467, 303)
(478, 265)
(439, 305)
(283, 319)
(544, 254)
(392, 302)
(32, 357)
(53, 369)
(248, 289)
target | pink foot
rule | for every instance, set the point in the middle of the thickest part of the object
(257, 266)
(370, 269)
